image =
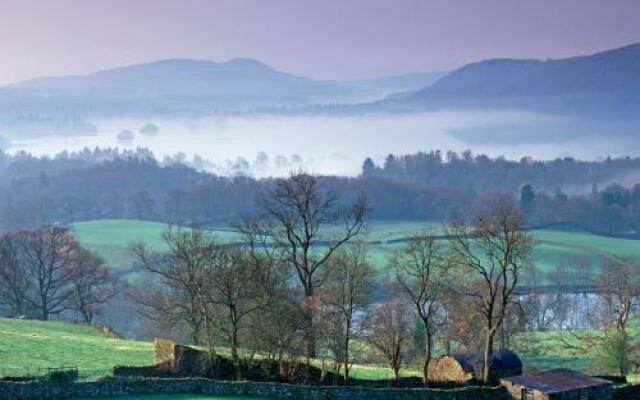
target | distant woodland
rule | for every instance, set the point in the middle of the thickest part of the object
(598, 196)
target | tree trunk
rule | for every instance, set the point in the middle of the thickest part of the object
(234, 351)
(310, 335)
(346, 354)
(488, 352)
(427, 353)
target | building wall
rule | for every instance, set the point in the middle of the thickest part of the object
(594, 393)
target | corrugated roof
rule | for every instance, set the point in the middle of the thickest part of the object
(557, 380)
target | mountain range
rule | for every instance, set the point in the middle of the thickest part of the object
(605, 84)
(198, 86)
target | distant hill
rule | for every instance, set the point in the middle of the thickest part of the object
(602, 83)
(194, 87)
(182, 85)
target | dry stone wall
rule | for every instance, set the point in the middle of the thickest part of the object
(115, 387)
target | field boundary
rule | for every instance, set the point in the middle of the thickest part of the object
(128, 386)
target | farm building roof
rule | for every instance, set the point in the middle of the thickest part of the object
(556, 380)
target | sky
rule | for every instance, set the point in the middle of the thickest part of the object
(323, 39)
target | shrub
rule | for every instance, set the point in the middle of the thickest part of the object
(62, 377)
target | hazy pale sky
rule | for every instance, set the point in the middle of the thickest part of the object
(321, 39)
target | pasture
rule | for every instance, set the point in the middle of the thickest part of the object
(554, 249)
(30, 347)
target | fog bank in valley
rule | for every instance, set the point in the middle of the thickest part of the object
(265, 145)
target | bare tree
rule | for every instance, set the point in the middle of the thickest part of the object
(348, 294)
(308, 225)
(421, 269)
(389, 333)
(14, 281)
(620, 290)
(274, 330)
(180, 274)
(92, 283)
(239, 286)
(47, 254)
(492, 251)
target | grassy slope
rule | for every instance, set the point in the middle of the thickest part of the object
(30, 347)
(112, 238)
(27, 347)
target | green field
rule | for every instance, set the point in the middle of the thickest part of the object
(33, 347)
(112, 240)
(30, 347)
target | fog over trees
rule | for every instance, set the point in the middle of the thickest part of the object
(106, 183)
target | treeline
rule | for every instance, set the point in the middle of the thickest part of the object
(482, 174)
(98, 184)
(90, 185)
(613, 211)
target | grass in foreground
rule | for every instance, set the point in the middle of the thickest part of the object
(30, 347)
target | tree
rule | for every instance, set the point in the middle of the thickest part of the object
(389, 333)
(492, 251)
(349, 293)
(368, 167)
(421, 272)
(47, 254)
(237, 285)
(15, 284)
(527, 196)
(180, 274)
(620, 289)
(92, 284)
(300, 217)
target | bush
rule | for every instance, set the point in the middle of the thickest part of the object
(62, 377)
(17, 378)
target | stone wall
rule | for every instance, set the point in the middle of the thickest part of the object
(627, 392)
(114, 387)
